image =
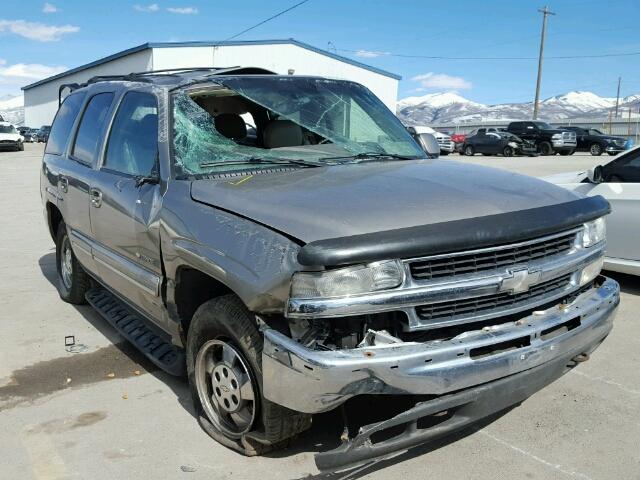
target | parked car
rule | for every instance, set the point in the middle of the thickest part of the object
(497, 143)
(458, 141)
(444, 140)
(595, 142)
(42, 135)
(619, 182)
(547, 139)
(10, 138)
(322, 259)
(28, 134)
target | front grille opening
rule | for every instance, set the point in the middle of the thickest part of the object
(428, 421)
(501, 347)
(430, 269)
(469, 307)
(556, 330)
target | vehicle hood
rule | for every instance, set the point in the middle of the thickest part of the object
(566, 178)
(10, 136)
(329, 202)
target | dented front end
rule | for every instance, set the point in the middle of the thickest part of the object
(324, 379)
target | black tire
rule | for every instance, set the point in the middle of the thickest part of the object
(612, 154)
(20, 147)
(444, 154)
(226, 319)
(507, 151)
(546, 149)
(469, 151)
(595, 149)
(566, 153)
(72, 289)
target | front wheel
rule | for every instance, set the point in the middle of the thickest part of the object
(469, 151)
(73, 281)
(507, 151)
(224, 364)
(546, 149)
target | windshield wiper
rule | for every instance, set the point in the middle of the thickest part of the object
(373, 155)
(265, 161)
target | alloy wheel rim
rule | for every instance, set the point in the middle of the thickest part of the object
(595, 149)
(225, 388)
(66, 264)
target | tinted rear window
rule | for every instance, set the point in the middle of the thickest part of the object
(63, 123)
(91, 127)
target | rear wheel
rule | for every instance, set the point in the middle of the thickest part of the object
(224, 363)
(469, 150)
(595, 149)
(545, 148)
(73, 281)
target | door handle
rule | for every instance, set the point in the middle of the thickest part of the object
(96, 197)
(63, 184)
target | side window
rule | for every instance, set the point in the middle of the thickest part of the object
(62, 124)
(93, 119)
(133, 140)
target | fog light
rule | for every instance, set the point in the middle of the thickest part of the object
(591, 271)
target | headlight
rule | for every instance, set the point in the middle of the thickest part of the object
(556, 136)
(593, 232)
(347, 281)
(591, 271)
(513, 144)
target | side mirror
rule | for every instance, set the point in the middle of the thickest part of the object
(429, 144)
(595, 174)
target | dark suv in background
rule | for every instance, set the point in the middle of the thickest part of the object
(547, 139)
(595, 142)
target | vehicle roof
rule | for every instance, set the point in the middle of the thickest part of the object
(175, 78)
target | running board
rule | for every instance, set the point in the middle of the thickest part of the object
(135, 329)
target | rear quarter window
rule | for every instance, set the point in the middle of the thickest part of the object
(63, 123)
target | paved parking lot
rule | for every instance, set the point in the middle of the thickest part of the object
(106, 413)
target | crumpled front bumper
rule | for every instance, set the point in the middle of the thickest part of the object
(313, 381)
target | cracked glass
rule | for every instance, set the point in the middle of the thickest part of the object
(249, 122)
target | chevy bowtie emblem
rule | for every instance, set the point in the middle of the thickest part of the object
(519, 281)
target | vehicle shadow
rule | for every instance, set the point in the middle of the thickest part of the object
(178, 385)
(326, 428)
(317, 440)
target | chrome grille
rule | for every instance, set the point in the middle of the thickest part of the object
(491, 259)
(469, 307)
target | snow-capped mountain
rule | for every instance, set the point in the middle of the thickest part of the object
(451, 107)
(12, 109)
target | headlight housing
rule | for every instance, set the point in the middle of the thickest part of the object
(594, 232)
(347, 281)
(556, 136)
(513, 144)
(591, 271)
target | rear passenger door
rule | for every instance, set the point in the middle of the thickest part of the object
(125, 208)
(76, 173)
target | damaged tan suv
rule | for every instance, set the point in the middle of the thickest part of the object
(285, 243)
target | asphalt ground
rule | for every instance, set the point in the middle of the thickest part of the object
(106, 413)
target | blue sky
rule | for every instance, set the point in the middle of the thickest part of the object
(38, 38)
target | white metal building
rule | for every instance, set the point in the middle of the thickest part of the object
(281, 56)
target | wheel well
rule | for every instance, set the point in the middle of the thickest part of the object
(54, 217)
(193, 288)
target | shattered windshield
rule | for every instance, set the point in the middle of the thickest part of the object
(257, 121)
